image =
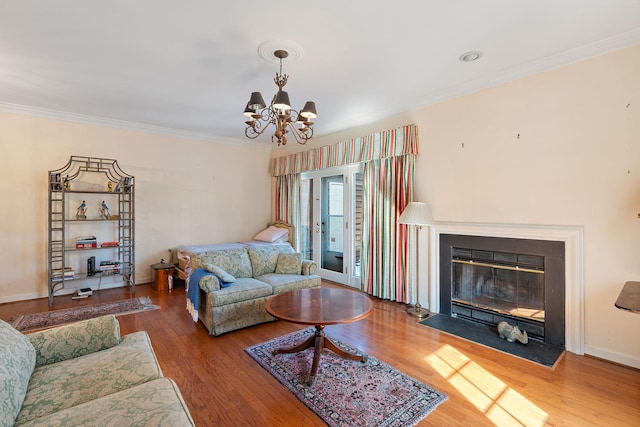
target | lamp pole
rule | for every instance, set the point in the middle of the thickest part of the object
(417, 214)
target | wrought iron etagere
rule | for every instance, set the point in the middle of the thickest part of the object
(117, 185)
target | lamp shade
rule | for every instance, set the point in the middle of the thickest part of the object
(281, 101)
(416, 213)
(309, 110)
(256, 101)
(248, 111)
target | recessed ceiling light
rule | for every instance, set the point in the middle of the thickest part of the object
(471, 56)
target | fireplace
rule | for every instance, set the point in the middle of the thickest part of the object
(493, 279)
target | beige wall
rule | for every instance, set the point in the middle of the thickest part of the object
(187, 192)
(576, 162)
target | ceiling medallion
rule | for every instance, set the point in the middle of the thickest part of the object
(279, 112)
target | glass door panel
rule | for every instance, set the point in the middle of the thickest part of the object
(332, 223)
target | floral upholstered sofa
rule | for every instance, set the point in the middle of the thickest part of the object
(234, 284)
(85, 374)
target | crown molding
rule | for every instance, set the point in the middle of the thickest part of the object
(591, 50)
(125, 125)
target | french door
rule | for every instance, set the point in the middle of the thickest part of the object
(331, 222)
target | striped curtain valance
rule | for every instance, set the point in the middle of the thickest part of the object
(390, 143)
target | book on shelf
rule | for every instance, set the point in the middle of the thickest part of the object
(85, 242)
(109, 244)
(59, 273)
(109, 266)
(67, 271)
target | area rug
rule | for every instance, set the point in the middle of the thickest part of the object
(346, 392)
(535, 351)
(48, 319)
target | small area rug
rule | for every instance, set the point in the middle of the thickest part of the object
(48, 319)
(535, 351)
(346, 392)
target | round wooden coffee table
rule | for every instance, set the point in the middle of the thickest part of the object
(320, 307)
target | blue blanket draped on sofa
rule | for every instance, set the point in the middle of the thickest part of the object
(192, 291)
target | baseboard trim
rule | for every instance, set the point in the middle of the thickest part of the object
(611, 356)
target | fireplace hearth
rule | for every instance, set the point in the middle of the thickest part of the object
(492, 279)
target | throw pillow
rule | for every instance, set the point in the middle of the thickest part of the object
(289, 264)
(271, 234)
(220, 273)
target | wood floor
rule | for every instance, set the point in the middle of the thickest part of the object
(223, 386)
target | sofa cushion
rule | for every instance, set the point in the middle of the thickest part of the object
(234, 261)
(75, 339)
(309, 267)
(289, 264)
(243, 289)
(75, 381)
(288, 282)
(265, 258)
(154, 403)
(17, 361)
(220, 273)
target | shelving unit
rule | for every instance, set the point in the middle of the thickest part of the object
(90, 183)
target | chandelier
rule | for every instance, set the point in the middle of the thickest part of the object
(279, 113)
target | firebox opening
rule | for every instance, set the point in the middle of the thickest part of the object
(502, 279)
(487, 283)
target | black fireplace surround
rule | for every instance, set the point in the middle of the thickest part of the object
(493, 279)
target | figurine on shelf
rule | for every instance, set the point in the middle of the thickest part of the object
(109, 186)
(66, 183)
(104, 210)
(81, 212)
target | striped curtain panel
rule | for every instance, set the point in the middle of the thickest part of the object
(287, 201)
(388, 189)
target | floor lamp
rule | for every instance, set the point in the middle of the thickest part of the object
(417, 214)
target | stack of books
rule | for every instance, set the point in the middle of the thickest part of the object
(86, 242)
(58, 274)
(109, 244)
(109, 267)
(82, 293)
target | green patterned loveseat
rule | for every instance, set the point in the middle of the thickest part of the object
(85, 374)
(238, 281)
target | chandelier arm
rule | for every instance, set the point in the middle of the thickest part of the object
(301, 135)
(255, 127)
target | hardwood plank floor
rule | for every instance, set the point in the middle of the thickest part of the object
(223, 386)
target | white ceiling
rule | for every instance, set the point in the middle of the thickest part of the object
(188, 67)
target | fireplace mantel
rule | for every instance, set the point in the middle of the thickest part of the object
(574, 282)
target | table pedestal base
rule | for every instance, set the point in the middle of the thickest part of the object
(319, 342)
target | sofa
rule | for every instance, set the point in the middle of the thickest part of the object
(85, 374)
(234, 284)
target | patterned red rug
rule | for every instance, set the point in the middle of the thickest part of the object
(346, 392)
(49, 319)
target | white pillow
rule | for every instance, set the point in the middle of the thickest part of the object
(271, 234)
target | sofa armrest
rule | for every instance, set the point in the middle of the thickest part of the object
(309, 267)
(75, 339)
(209, 283)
